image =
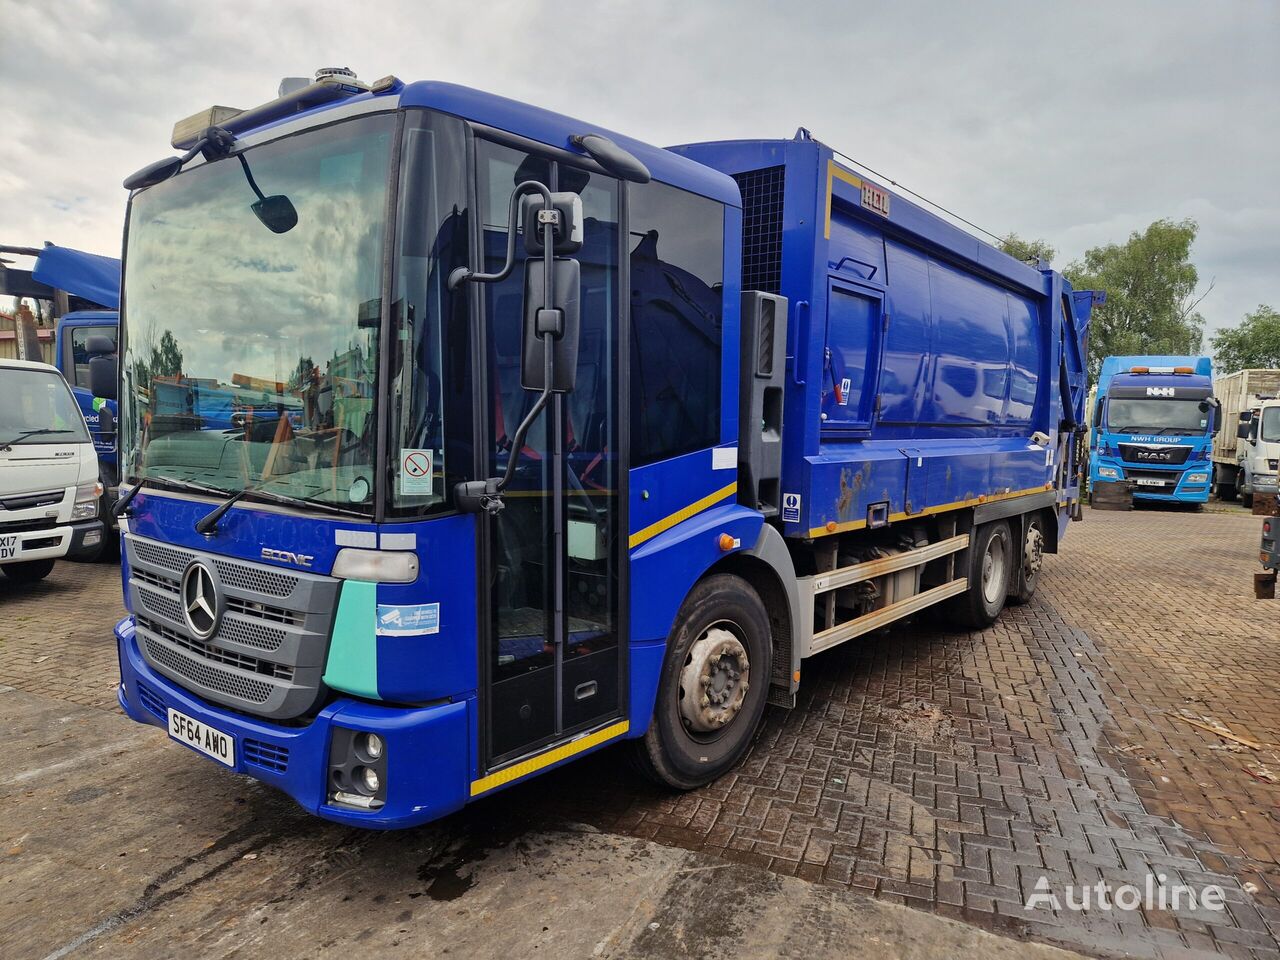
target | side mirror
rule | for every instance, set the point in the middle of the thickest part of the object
(1242, 428)
(106, 423)
(559, 326)
(566, 227)
(1097, 415)
(277, 213)
(103, 371)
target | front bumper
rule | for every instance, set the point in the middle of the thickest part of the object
(75, 541)
(428, 749)
(1176, 489)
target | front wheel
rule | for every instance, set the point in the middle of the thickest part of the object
(713, 688)
(29, 571)
(1026, 571)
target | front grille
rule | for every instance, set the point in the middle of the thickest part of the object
(216, 654)
(161, 556)
(22, 526)
(231, 684)
(30, 500)
(262, 611)
(268, 756)
(268, 653)
(252, 578)
(1159, 454)
(762, 228)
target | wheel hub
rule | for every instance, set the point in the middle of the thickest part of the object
(1032, 552)
(994, 579)
(714, 681)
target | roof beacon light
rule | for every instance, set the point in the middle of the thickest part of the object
(1183, 370)
(1139, 369)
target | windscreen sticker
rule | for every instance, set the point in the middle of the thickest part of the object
(415, 472)
(845, 385)
(408, 620)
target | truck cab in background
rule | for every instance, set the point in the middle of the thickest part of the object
(49, 489)
(82, 292)
(1154, 419)
(1246, 455)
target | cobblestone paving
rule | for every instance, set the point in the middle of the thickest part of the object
(947, 770)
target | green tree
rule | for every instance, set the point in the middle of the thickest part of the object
(1028, 250)
(1150, 283)
(1254, 344)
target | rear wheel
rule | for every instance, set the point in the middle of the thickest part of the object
(714, 682)
(1025, 576)
(989, 553)
(29, 571)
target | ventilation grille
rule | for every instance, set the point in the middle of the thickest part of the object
(266, 755)
(151, 701)
(208, 651)
(230, 684)
(259, 581)
(762, 228)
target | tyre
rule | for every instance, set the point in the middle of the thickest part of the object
(1025, 574)
(714, 683)
(1246, 499)
(988, 570)
(29, 571)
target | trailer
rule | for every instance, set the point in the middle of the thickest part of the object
(1247, 453)
(560, 440)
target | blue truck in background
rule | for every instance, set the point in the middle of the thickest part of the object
(1154, 420)
(83, 291)
(559, 439)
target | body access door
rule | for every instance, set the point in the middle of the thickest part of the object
(552, 560)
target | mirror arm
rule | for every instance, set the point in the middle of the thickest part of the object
(461, 275)
(486, 495)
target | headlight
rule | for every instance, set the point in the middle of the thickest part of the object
(1111, 473)
(1197, 478)
(86, 506)
(377, 566)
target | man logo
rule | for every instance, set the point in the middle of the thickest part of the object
(200, 601)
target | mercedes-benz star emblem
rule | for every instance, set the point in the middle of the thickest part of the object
(200, 601)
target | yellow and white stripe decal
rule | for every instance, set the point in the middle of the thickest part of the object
(534, 764)
(837, 172)
(928, 511)
(667, 522)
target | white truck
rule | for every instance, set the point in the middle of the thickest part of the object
(49, 488)
(1246, 451)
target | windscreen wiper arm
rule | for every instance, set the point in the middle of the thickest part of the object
(8, 444)
(123, 503)
(209, 522)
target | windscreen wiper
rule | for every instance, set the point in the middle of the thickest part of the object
(8, 444)
(207, 524)
(123, 503)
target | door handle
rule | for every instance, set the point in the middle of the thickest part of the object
(584, 691)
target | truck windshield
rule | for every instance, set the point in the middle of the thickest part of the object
(1183, 418)
(250, 355)
(1269, 429)
(36, 407)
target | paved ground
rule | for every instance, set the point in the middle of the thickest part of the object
(946, 771)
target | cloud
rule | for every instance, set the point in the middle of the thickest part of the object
(1073, 122)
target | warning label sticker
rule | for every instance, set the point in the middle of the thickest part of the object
(406, 620)
(415, 472)
(791, 508)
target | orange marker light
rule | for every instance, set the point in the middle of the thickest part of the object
(727, 542)
(797, 676)
(831, 526)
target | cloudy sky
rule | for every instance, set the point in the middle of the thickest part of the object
(1077, 122)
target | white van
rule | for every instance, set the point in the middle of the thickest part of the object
(49, 489)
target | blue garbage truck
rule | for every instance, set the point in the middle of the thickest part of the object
(83, 292)
(1154, 420)
(561, 439)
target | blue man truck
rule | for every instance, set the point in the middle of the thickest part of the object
(1154, 420)
(569, 440)
(83, 292)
